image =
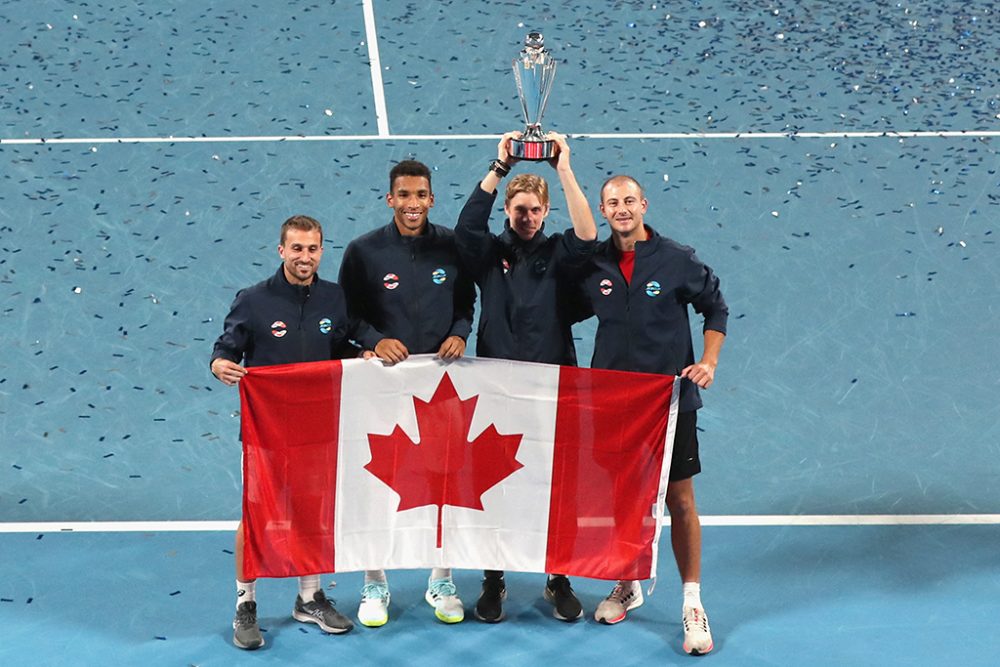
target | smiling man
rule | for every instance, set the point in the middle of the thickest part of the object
(525, 277)
(640, 285)
(293, 316)
(408, 294)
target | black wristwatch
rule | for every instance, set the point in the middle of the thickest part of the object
(500, 168)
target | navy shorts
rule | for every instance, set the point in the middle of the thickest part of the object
(685, 463)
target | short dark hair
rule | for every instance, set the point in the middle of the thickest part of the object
(620, 178)
(409, 168)
(303, 223)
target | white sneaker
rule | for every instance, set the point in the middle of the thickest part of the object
(441, 595)
(374, 609)
(626, 596)
(697, 635)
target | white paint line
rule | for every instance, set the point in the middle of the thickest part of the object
(378, 89)
(715, 520)
(385, 136)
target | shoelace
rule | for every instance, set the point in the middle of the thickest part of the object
(442, 588)
(246, 616)
(697, 618)
(620, 594)
(373, 590)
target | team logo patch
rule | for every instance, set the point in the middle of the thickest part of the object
(652, 288)
(605, 287)
(278, 328)
(505, 264)
(439, 276)
(325, 325)
(390, 281)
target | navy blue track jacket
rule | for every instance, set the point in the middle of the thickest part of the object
(411, 288)
(276, 322)
(527, 288)
(643, 326)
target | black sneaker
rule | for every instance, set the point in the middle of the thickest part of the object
(489, 607)
(246, 633)
(560, 593)
(322, 613)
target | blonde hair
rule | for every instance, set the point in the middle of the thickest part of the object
(529, 183)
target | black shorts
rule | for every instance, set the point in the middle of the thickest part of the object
(685, 462)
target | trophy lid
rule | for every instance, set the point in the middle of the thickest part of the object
(534, 40)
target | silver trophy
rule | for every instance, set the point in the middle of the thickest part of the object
(534, 72)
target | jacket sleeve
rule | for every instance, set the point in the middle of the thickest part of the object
(464, 305)
(237, 336)
(574, 254)
(701, 290)
(472, 233)
(352, 281)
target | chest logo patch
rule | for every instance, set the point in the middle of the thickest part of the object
(278, 329)
(505, 264)
(325, 325)
(390, 281)
(605, 287)
(439, 276)
(652, 288)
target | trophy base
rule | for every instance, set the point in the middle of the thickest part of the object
(532, 149)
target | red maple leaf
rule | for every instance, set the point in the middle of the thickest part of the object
(443, 467)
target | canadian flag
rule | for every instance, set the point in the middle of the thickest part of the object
(475, 463)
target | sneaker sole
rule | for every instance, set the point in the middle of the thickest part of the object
(694, 651)
(306, 618)
(635, 604)
(549, 597)
(246, 647)
(374, 622)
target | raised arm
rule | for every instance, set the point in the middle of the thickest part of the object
(579, 210)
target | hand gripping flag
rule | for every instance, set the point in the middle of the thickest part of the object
(475, 463)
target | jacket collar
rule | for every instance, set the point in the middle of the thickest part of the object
(279, 283)
(510, 239)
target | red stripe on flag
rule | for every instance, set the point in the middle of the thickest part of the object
(609, 442)
(290, 433)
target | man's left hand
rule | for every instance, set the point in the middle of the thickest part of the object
(453, 347)
(701, 374)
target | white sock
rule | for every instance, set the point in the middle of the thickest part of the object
(245, 591)
(692, 594)
(441, 573)
(375, 577)
(308, 586)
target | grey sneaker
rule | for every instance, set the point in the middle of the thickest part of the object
(246, 633)
(322, 613)
(626, 596)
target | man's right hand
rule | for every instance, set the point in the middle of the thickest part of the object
(503, 148)
(227, 372)
(391, 351)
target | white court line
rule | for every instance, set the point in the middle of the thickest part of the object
(385, 136)
(716, 520)
(371, 36)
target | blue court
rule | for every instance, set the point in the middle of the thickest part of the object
(835, 163)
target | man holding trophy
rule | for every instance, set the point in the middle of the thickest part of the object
(524, 274)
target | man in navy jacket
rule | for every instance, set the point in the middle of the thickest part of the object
(640, 286)
(293, 316)
(408, 294)
(525, 280)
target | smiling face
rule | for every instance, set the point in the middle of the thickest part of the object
(300, 253)
(526, 213)
(623, 206)
(410, 199)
